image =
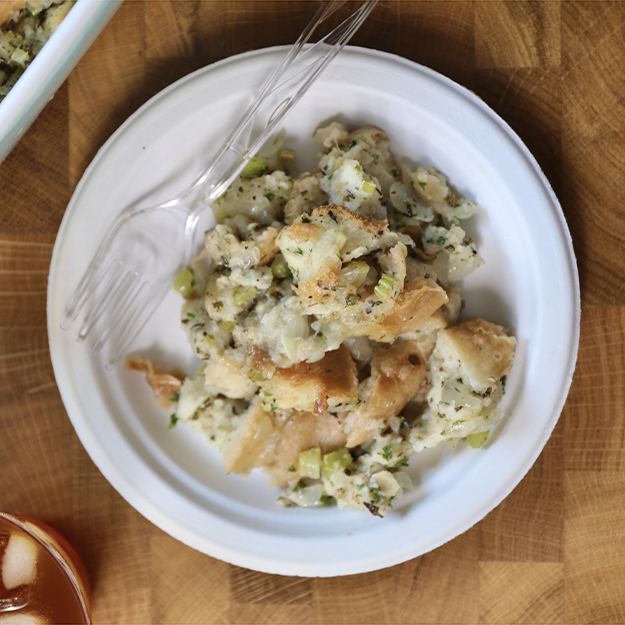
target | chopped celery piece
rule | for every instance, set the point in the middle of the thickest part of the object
(20, 56)
(228, 326)
(244, 295)
(309, 463)
(368, 187)
(208, 341)
(335, 461)
(477, 440)
(219, 211)
(384, 287)
(286, 155)
(279, 267)
(257, 166)
(355, 273)
(184, 283)
(255, 375)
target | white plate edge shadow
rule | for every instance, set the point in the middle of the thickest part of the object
(153, 514)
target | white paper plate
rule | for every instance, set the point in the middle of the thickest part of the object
(529, 283)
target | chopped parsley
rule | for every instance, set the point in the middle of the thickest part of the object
(173, 419)
(326, 500)
(387, 452)
(376, 495)
(270, 196)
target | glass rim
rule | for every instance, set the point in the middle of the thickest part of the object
(58, 553)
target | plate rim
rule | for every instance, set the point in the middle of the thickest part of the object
(117, 479)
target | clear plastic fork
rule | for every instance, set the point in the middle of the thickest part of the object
(135, 263)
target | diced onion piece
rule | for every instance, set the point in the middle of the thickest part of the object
(309, 463)
(403, 479)
(335, 461)
(184, 283)
(387, 484)
(460, 394)
(395, 424)
(244, 295)
(384, 287)
(477, 439)
(257, 166)
(308, 496)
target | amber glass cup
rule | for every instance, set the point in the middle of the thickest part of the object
(57, 591)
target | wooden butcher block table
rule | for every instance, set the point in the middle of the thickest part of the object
(554, 550)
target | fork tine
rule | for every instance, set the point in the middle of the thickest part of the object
(96, 272)
(89, 282)
(124, 309)
(110, 294)
(134, 324)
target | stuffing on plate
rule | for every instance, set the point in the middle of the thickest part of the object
(324, 311)
(25, 25)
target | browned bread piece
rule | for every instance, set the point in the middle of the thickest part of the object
(483, 349)
(164, 385)
(9, 9)
(397, 373)
(252, 443)
(362, 233)
(316, 386)
(419, 300)
(302, 431)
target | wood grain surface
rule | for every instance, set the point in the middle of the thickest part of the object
(554, 551)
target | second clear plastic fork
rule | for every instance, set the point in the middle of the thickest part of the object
(135, 263)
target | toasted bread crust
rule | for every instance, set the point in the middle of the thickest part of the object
(306, 386)
(267, 245)
(483, 348)
(9, 9)
(254, 441)
(419, 300)
(397, 373)
(164, 385)
(302, 431)
(343, 216)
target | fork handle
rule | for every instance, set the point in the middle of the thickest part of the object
(289, 81)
